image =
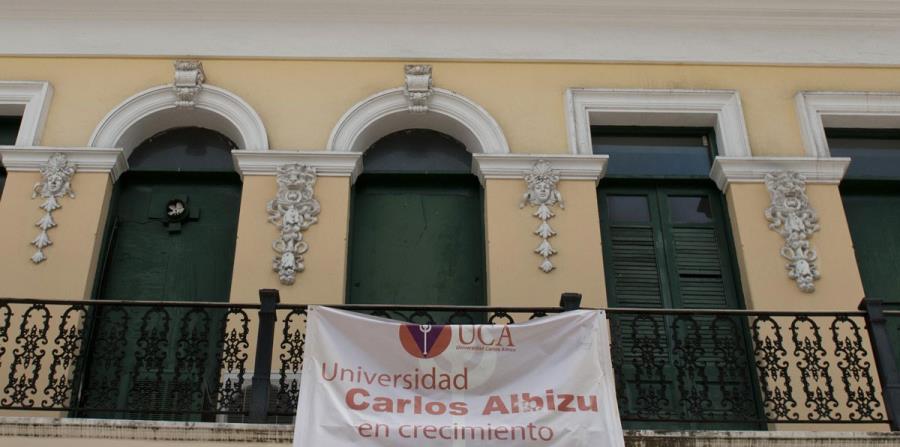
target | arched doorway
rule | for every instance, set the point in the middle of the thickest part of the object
(171, 237)
(417, 229)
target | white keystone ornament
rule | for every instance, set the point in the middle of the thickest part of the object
(293, 210)
(542, 193)
(56, 178)
(791, 217)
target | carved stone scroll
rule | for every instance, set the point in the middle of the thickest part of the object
(293, 210)
(56, 179)
(418, 87)
(189, 78)
(542, 193)
(791, 216)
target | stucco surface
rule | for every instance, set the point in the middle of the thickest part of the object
(300, 101)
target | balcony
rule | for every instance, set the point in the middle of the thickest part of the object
(225, 363)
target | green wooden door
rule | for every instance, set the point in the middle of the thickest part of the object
(417, 239)
(155, 360)
(873, 214)
(667, 248)
(153, 258)
(871, 196)
(171, 237)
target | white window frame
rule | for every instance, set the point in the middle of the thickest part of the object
(861, 110)
(29, 100)
(720, 109)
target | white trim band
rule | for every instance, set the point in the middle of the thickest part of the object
(867, 110)
(153, 110)
(720, 109)
(29, 100)
(327, 164)
(515, 166)
(388, 111)
(31, 159)
(727, 170)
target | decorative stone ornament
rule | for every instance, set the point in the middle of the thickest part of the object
(189, 78)
(791, 216)
(56, 178)
(542, 193)
(293, 210)
(418, 87)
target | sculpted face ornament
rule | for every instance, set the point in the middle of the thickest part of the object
(542, 193)
(56, 177)
(791, 217)
(293, 210)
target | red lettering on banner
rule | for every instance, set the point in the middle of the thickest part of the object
(507, 335)
(352, 403)
(495, 404)
(481, 337)
(462, 331)
(468, 335)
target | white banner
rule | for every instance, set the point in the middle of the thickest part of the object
(371, 381)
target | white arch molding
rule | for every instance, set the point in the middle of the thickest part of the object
(388, 111)
(153, 110)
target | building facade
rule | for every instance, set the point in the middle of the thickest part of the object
(718, 157)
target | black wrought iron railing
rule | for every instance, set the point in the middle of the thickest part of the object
(231, 362)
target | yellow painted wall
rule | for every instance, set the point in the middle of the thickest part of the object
(68, 272)
(764, 276)
(301, 101)
(513, 275)
(323, 280)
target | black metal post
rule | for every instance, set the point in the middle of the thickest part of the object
(570, 301)
(884, 358)
(262, 366)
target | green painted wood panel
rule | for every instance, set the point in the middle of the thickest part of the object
(168, 359)
(873, 214)
(149, 260)
(417, 239)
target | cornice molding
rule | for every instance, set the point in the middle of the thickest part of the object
(763, 31)
(327, 164)
(32, 158)
(515, 166)
(727, 170)
(31, 101)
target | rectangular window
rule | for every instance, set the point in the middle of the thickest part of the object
(874, 153)
(666, 246)
(9, 129)
(641, 152)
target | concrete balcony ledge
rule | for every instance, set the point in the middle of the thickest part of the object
(40, 432)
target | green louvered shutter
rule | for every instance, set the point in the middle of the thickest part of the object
(636, 276)
(633, 249)
(667, 248)
(697, 252)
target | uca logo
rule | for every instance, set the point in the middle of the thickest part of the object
(425, 341)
